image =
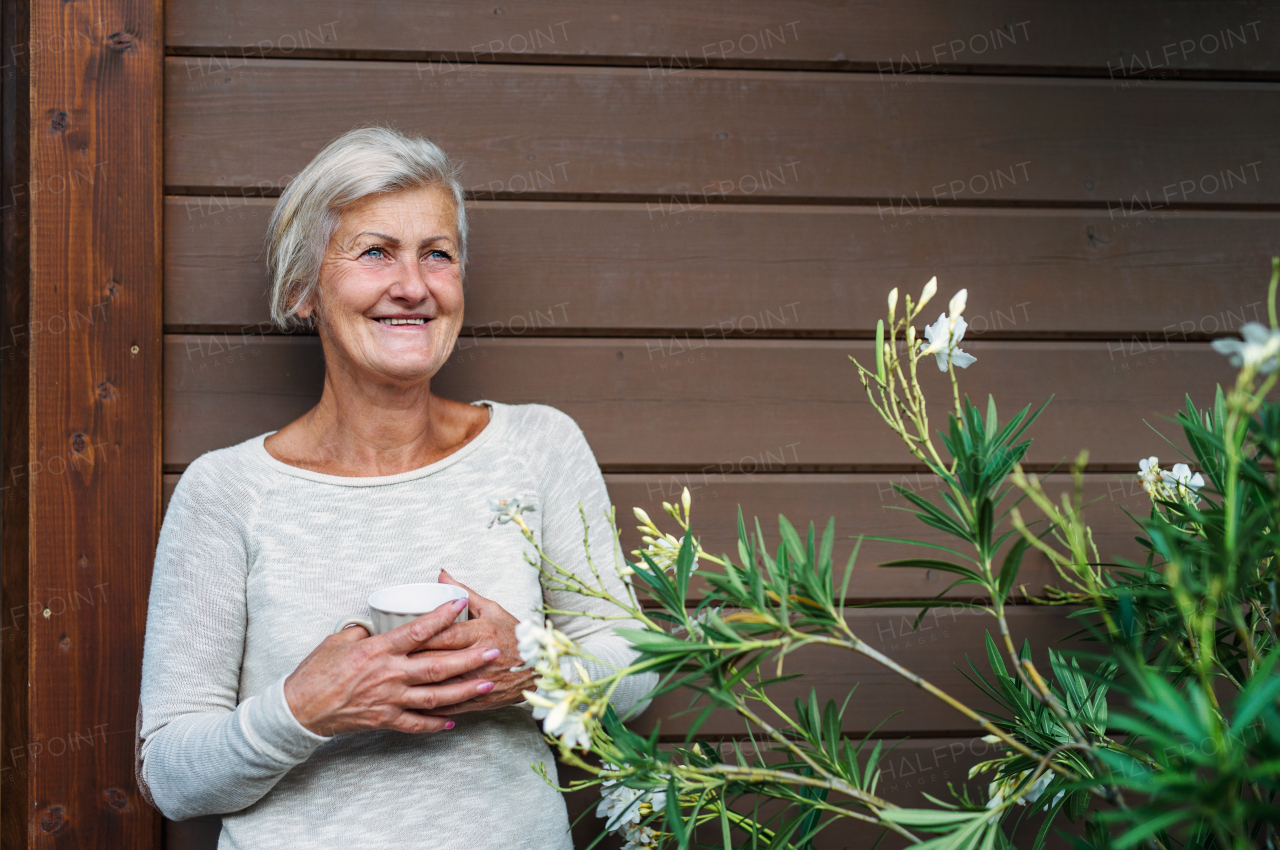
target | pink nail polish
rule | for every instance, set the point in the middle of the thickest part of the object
(490, 654)
(484, 687)
(450, 725)
(459, 604)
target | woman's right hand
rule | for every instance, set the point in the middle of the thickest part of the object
(352, 682)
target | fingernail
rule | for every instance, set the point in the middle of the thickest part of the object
(490, 654)
(450, 725)
(484, 687)
(459, 604)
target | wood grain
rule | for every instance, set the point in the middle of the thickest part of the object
(555, 268)
(15, 407)
(93, 473)
(932, 36)
(747, 406)
(884, 699)
(739, 135)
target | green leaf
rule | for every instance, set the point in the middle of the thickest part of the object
(791, 538)
(991, 416)
(928, 817)
(933, 564)
(1010, 566)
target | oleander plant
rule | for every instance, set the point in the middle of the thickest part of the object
(1162, 733)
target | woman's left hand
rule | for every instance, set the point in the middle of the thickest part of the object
(489, 625)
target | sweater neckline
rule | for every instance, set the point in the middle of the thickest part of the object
(497, 420)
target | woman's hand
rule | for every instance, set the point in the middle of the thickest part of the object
(352, 682)
(490, 625)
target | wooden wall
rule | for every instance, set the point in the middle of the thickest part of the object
(686, 216)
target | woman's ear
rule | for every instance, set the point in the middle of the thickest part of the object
(302, 306)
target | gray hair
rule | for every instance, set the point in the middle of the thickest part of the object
(361, 162)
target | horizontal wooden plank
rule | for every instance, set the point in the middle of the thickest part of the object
(931, 35)
(726, 406)
(860, 505)
(546, 267)
(935, 651)
(740, 135)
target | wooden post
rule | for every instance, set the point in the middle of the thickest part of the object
(81, 313)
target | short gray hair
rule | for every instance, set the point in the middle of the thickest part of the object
(361, 162)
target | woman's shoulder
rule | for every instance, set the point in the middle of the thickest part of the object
(230, 479)
(545, 438)
(539, 422)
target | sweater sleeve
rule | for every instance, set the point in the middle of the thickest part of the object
(201, 751)
(574, 477)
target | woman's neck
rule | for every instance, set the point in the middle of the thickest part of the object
(364, 427)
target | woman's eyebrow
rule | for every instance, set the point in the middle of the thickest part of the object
(393, 240)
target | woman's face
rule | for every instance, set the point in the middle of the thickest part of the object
(390, 291)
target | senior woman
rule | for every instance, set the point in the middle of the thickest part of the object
(419, 737)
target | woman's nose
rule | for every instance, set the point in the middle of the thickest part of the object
(410, 283)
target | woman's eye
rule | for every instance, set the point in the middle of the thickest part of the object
(437, 254)
(375, 252)
(438, 259)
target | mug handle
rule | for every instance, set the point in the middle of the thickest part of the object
(356, 621)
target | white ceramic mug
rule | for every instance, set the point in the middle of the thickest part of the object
(392, 607)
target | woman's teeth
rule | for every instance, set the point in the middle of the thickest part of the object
(402, 321)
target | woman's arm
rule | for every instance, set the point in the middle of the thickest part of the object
(574, 477)
(201, 753)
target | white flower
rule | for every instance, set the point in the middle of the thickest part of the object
(695, 626)
(626, 807)
(944, 335)
(1149, 473)
(533, 641)
(1259, 347)
(620, 804)
(1037, 788)
(506, 510)
(560, 719)
(996, 792)
(957, 304)
(664, 550)
(641, 838)
(1182, 480)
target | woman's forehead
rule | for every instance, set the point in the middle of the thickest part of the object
(402, 214)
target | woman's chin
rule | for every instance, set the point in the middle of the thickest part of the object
(405, 371)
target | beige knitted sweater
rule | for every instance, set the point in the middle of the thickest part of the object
(258, 560)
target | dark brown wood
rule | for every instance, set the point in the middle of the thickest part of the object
(745, 406)
(15, 310)
(922, 37)
(94, 404)
(884, 700)
(740, 135)
(553, 268)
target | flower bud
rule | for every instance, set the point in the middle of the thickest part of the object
(893, 303)
(685, 500)
(957, 304)
(643, 517)
(930, 289)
